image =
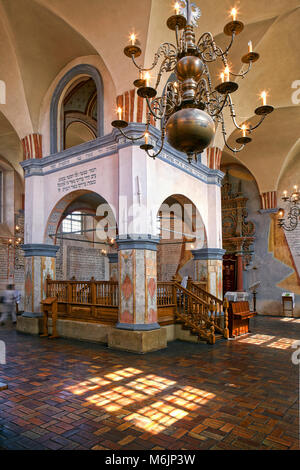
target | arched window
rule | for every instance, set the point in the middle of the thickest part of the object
(76, 113)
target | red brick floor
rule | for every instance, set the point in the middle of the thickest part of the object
(70, 395)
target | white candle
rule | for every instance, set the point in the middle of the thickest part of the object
(132, 38)
(234, 14)
(146, 138)
(250, 46)
(147, 78)
(264, 98)
(222, 77)
(227, 74)
(177, 8)
(244, 129)
(119, 111)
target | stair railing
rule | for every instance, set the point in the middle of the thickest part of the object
(218, 306)
(195, 313)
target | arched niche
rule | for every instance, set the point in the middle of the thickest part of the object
(74, 75)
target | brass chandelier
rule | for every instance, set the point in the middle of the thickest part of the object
(190, 109)
(293, 211)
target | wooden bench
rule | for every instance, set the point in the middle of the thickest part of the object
(238, 318)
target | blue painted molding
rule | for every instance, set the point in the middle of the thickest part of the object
(209, 253)
(40, 249)
(268, 211)
(112, 258)
(138, 327)
(81, 69)
(109, 145)
(137, 242)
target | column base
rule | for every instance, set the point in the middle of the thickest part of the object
(139, 342)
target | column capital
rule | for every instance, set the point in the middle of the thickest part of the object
(209, 253)
(137, 242)
(112, 258)
(39, 249)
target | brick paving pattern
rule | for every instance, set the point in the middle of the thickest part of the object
(70, 395)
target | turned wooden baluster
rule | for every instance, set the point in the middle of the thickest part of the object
(226, 307)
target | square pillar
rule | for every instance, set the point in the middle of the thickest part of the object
(39, 263)
(137, 329)
(208, 267)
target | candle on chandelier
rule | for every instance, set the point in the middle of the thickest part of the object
(264, 98)
(296, 189)
(227, 74)
(132, 39)
(284, 193)
(177, 8)
(250, 46)
(244, 129)
(222, 77)
(147, 78)
(234, 14)
(146, 135)
(119, 112)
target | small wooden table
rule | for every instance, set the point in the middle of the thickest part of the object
(50, 308)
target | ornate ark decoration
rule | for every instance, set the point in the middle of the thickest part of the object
(238, 233)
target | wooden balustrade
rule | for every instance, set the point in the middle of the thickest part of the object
(98, 302)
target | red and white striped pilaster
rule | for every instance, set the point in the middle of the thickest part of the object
(133, 107)
(32, 146)
(214, 155)
(269, 200)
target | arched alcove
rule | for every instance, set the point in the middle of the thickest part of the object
(82, 87)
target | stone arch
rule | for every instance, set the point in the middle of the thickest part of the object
(182, 230)
(68, 204)
(81, 69)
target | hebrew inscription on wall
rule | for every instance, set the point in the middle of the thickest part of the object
(77, 180)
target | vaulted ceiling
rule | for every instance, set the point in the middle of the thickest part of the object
(38, 38)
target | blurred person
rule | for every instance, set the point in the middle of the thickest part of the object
(8, 304)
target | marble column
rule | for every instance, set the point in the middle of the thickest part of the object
(39, 262)
(208, 267)
(137, 328)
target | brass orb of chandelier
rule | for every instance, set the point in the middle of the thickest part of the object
(190, 109)
(293, 211)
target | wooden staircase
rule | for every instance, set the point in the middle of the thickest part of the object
(203, 314)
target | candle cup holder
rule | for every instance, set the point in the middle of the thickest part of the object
(178, 21)
(250, 57)
(266, 109)
(130, 50)
(146, 147)
(243, 140)
(226, 88)
(119, 124)
(233, 27)
(139, 83)
(147, 92)
(285, 198)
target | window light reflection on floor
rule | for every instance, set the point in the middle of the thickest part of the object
(154, 417)
(256, 339)
(282, 343)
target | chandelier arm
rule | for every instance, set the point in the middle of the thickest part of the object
(161, 51)
(234, 150)
(222, 107)
(161, 147)
(133, 139)
(232, 113)
(152, 112)
(260, 122)
(243, 74)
